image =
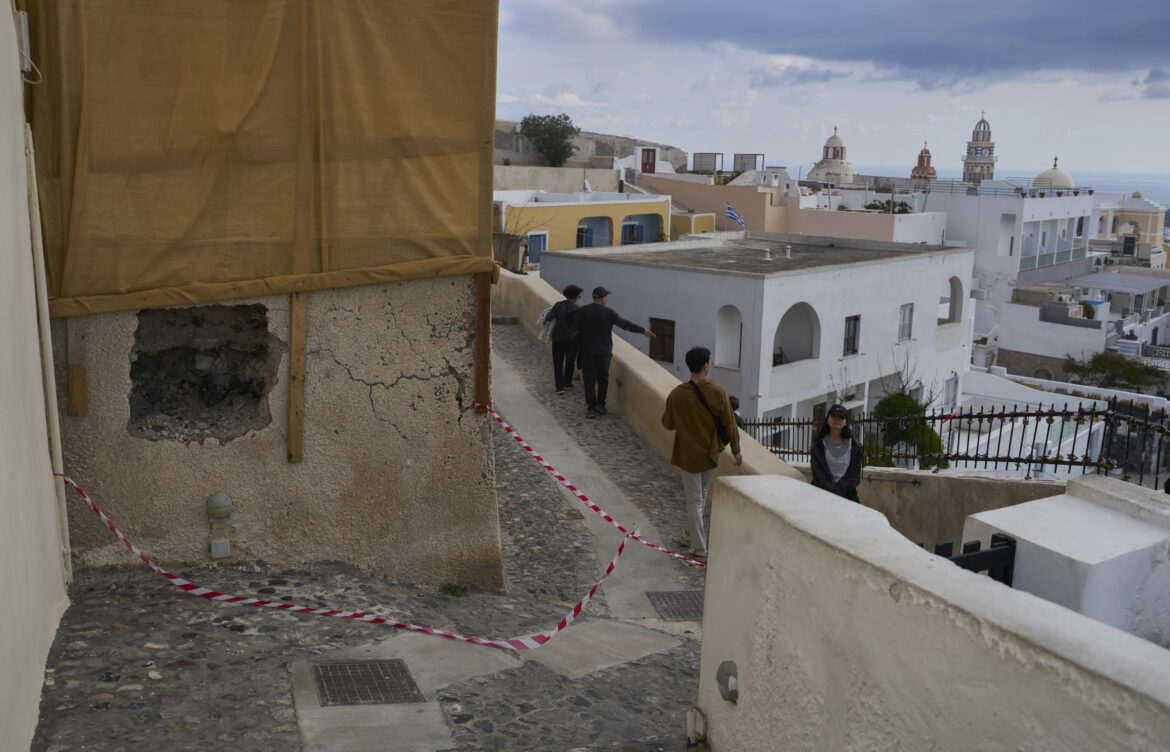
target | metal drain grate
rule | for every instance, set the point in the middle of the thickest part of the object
(364, 683)
(678, 605)
(568, 514)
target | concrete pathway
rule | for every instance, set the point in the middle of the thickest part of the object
(641, 569)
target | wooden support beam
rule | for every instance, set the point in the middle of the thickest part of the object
(75, 337)
(483, 336)
(298, 324)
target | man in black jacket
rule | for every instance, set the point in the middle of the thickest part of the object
(595, 323)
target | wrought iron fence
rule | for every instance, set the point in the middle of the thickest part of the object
(1127, 439)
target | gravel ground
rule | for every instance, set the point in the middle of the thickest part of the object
(138, 665)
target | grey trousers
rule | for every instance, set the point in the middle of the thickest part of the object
(695, 489)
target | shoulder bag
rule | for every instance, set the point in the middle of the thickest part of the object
(546, 321)
(720, 429)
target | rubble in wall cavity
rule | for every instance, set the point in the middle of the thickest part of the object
(201, 372)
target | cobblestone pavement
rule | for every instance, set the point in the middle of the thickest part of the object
(650, 481)
(138, 665)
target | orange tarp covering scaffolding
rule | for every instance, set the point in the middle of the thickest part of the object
(223, 149)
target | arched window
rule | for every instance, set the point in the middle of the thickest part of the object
(593, 232)
(1116, 223)
(641, 228)
(798, 336)
(950, 309)
(728, 337)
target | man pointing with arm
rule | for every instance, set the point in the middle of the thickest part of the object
(595, 322)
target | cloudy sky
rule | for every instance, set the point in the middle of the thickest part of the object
(1083, 79)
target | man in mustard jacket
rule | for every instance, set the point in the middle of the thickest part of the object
(695, 411)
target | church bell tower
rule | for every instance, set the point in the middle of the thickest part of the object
(979, 161)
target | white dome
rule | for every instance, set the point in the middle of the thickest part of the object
(982, 125)
(1054, 178)
(832, 171)
(835, 140)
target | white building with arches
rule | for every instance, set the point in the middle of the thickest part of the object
(794, 322)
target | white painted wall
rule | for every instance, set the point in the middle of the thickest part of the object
(925, 227)
(32, 574)
(1108, 562)
(691, 299)
(995, 227)
(874, 290)
(847, 636)
(1021, 329)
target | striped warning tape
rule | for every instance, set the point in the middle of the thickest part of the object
(516, 643)
(573, 489)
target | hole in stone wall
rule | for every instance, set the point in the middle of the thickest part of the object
(201, 372)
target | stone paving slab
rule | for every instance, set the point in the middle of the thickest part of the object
(407, 727)
(434, 663)
(598, 645)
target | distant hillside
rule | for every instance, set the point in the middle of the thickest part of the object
(593, 149)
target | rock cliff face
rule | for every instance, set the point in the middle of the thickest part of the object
(589, 145)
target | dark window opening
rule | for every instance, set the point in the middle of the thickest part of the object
(852, 335)
(662, 343)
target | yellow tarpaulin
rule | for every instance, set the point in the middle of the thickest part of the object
(199, 150)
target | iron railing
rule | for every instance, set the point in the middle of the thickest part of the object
(1127, 439)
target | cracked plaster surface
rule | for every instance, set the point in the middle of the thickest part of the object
(397, 476)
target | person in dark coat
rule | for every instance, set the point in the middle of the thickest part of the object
(836, 456)
(595, 323)
(564, 338)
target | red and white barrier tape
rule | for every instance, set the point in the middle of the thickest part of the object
(516, 643)
(573, 489)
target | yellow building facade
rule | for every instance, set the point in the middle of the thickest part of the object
(555, 222)
(690, 223)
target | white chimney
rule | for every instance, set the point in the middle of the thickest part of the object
(787, 251)
(767, 254)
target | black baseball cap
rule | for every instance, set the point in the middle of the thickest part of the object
(838, 410)
(600, 292)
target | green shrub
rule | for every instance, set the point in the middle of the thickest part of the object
(901, 417)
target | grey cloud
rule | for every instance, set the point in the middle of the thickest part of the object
(791, 76)
(934, 43)
(1158, 91)
(1156, 85)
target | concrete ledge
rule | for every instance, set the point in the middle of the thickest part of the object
(847, 636)
(638, 386)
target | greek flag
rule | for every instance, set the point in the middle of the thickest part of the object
(732, 215)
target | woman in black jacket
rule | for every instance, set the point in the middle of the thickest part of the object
(564, 338)
(836, 456)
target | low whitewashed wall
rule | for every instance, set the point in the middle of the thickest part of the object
(846, 636)
(638, 385)
(553, 179)
(32, 570)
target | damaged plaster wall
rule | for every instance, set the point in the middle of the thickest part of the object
(397, 477)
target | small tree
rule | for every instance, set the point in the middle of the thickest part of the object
(902, 422)
(552, 135)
